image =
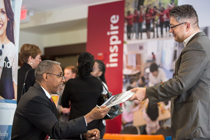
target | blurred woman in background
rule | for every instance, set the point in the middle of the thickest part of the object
(30, 56)
(99, 69)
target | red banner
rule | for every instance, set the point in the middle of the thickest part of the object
(105, 42)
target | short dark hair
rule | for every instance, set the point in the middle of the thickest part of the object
(132, 80)
(184, 12)
(102, 68)
(142, 78)
(153, 67)
(85, 64)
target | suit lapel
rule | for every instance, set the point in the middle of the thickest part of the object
(54, 109)
(52, 105)
(177, 64)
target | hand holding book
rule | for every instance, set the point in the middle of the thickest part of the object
(118, 98)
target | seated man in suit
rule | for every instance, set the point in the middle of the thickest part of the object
(36, 116)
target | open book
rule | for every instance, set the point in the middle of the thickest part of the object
(118, 98)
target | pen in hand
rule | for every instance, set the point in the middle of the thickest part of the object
(100, 108)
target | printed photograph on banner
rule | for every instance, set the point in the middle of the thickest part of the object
(149, 57)
(148, 49)
(105, 41)
(9, 36)
(147, 19)
(8, 52)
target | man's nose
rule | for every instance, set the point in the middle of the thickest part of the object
(170, 30)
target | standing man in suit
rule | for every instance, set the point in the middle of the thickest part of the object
(36, 116)
(189, 89)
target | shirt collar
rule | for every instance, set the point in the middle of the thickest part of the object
(188, 39)
(46, 93)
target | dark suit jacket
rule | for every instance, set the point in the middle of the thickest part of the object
(30, 80)
(189, 90)
(36, 116)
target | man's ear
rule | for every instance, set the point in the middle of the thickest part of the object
(44, 77)
(188, 26)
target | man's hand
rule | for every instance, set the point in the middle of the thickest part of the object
(140, 94)
(92, 134)
(1, 97)
(96, 113)
(65, 110)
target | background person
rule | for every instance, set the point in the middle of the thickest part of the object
(36, 116)
(84, 92)
(157, 75)
(148, 18)
(153, 56)
(142, 82)
(140, 21)
(30, 56)
(99, 69)
(133, 83)
(70, 72)
(135, 23)
(8, 52)
(189, 88)
(129, 21)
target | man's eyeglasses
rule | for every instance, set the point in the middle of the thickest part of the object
(176, 25)
(59, 75)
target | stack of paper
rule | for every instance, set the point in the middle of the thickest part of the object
(118, 98)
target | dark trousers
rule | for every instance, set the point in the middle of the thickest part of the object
(140, 30)
(161, 28)
(102, 131)
(129, 31)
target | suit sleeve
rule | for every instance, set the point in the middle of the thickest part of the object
(192, 65)
(44, 119)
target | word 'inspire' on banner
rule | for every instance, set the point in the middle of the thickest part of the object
(114, 41)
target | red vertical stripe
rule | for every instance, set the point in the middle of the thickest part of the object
(105, 37)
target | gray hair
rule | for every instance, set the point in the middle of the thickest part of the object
(184, 12)
(44, 67)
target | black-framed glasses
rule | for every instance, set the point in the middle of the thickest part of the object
(176, 25)
(58, 75)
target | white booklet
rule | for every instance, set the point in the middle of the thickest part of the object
(118, 98)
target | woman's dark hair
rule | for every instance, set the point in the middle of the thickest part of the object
(10, 24)
(147, 10)
(85, 64)
(102, 68)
